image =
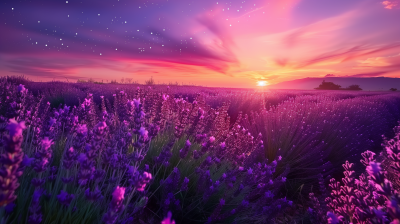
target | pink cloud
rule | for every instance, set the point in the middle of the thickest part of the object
(390, 4)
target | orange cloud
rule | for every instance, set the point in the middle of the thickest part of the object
(380, 62)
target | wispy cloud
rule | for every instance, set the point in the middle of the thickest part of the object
(390, 64)
(330, 75)
(372, 74)
(340, 56)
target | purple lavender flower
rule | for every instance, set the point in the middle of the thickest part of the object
(69, 158)
(37, 182)
(332, 218)
(373, 168)
(116, 205)
(143, 180)
(368, 157)
(43, 156)
(52, 173)
(143, 132)
(64, 198)
(208, 145)
(136, 102)
(26, 161)
(93, 195)
(222, 146)
(165, 97)
(165, 153)
(11, 160)
(206, 163)
(212, 139)
(196, 154)
(21, 88)
(185, 183)
(167, 220)
(269, 194)
(15, 129)
(184, 151)
(86, 169)
(67, 180)
(81, 129)
(35, 216)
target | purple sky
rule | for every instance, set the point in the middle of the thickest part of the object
(213, 43)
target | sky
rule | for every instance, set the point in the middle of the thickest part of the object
(230, 43)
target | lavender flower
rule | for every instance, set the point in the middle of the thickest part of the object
(35, 216)
(165, 153)
(332, 218)
(52, 173)
(185, 183)
(86, 169)
(64, 198)
(184, 151)
(11, 160)
(69, 158)
(368, 157)
(374, 168)
(37, 182)
(67, 180)
(93, 195)
(116, 205)
(26, 161)
(208, 145)
(143, 180)
(43, 156)
(167, 220)
(15, 129)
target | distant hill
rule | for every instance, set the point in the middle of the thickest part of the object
(367, 84)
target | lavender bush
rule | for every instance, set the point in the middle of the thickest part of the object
(132, 160)
(372, 198)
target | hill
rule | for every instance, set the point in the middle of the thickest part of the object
(367, 84)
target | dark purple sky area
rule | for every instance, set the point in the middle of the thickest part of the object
(214, 43)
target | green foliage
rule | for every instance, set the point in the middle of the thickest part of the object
(328, 86)
(333, 86)
(353, 87)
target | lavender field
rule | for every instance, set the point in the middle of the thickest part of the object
(126, 153)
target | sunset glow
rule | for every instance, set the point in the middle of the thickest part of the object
(262, 83)
(210, 42)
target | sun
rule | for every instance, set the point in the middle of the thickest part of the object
(262, 83)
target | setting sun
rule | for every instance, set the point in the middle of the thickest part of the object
(262, 83)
